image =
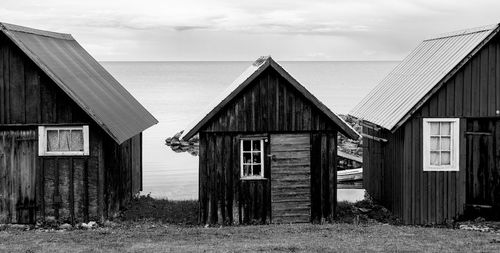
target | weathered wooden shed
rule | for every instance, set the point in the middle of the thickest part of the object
(432, 130)
(267, 151)
(70, 134)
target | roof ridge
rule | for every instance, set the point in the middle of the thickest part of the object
(24, 29)
(461, 32)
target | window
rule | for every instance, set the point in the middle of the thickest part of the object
(63, 141)
(441, 139)
(251, 160)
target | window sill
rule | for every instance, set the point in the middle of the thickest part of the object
(252, 178)
(441, 169)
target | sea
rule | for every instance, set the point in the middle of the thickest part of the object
(176, 92)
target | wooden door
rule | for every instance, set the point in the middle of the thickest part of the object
(483, 171)
(290, 178)
(18, 154)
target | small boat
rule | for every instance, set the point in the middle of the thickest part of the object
(350, 175)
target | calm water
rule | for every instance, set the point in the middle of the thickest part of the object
(175, 93)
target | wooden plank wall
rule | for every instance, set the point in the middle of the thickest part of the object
(28, 97)
(17, 176)
(435, 197)
(223, 197)
(291, 178)
(268, 104)
(323, 176)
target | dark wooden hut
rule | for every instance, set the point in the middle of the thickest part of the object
(431, 130)
(267, 151)
(70, 134)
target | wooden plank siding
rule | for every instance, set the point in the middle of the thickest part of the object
(268, 105)
(394, 170)
(70, 188)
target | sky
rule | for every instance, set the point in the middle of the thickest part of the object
(213, 30)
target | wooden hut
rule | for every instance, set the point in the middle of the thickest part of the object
(70, 134)
(431, 130)
(267, 151)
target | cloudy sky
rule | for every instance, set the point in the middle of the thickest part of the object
(155, 30)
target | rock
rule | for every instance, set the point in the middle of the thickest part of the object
(109, 223)
(50, 220)
(19, 226)
(479, 219)
(66, 226)
(89, 225)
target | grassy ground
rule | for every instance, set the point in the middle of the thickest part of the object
(152, 237)
(150, 225)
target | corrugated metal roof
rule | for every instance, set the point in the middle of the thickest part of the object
(79, 75)
(246, 78)
(412, 80)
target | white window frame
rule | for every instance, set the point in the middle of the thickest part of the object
(262, 159)
(455, 144)
(42, 141)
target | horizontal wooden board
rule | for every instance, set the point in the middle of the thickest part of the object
(290, 178)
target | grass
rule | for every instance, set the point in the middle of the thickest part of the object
(151, 225)
(152, 237)
(183, 212)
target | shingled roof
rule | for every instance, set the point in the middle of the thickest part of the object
(244, 80)
(415, 79)
(83, 79)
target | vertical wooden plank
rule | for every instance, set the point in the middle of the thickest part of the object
(213, 179)
(93, 181)
(491, 79)
(332, 167)
(33, 114)
(467, 94)
(416, 171)
(78, 190)
(497, 76)
(202, 180)
(483, 82)
(228, 179)
(3, 84)
(325, 193)
(6, 80)
(17, 88)
(3, 176)
(64, 182)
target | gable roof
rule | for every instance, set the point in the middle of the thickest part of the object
(420, 75)
(83, 79)
(244, 80)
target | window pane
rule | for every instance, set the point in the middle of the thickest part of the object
(445, 128)
(445, 143)
(434, 143)
(246, 170)
(247, 144)
(256, 157)
(52, 140)
(256, 145)
(434, 128)
(247, 157)
(256, 170)
(435, 158)
(445, 158)
(76, 140)
(64, 140)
